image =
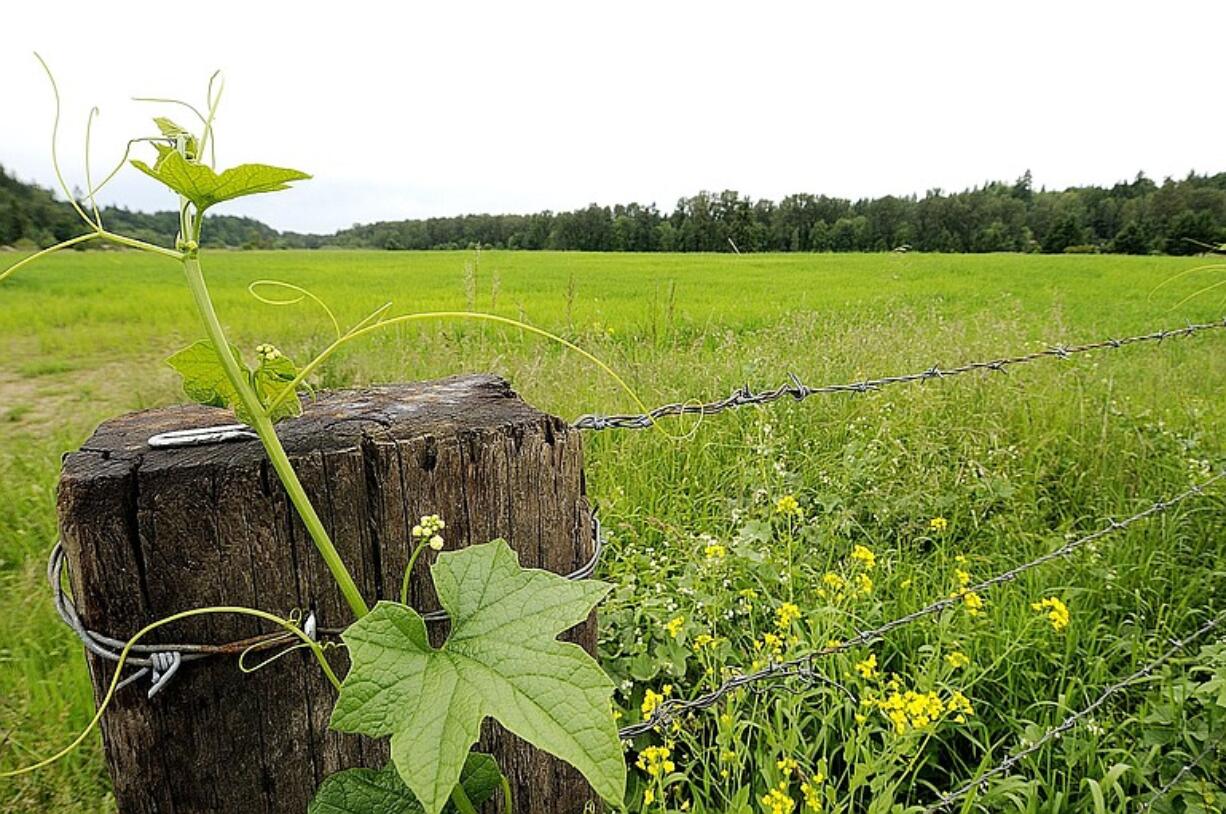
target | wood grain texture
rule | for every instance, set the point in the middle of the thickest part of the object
(153, 532)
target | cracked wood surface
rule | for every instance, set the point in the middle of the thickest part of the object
(152, 532)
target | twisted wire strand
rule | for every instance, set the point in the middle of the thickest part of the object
(980, 782)
(799, 391)
(669, 709)
(162, 661)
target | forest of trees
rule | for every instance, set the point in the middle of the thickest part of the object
(1137, 217)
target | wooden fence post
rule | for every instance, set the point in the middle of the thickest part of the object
(150, 532)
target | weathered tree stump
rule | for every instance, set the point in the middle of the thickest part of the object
(150, 532)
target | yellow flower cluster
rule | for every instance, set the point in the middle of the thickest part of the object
(868, 667)
(974, 602)
(864, 584)
(785, 615)
(916, 710)
(1057, 611)
(655, 761)
(811, 789)
(705, 640)
(778, 801)
(836, 584)
(963, 577)
(675, 625)
(938, 524)
(715, 551)
(788, 507)
(958, 659)
(652, 699)
(960, 706)
(428, 529)
(786, 765)
(864, 556)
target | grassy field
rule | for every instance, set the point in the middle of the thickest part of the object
(1011, 464)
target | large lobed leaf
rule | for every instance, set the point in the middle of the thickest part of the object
(370, 791)
(502, 660)
(204, 187)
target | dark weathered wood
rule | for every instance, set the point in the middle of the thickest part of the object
(153, 532)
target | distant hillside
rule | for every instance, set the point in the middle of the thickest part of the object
(1136, 217)
(31, 216)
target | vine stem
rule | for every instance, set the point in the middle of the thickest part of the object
(268, 437)
(461, 801)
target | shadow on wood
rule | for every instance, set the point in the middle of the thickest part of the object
(152, 532)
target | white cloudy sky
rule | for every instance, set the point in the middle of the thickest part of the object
(412, 109)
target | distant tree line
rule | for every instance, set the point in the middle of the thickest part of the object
(1137, 217)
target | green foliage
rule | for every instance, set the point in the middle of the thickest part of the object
(204, 187)
(1137, 217)
(205, 380)
(175, 132)
(501, 660)
(370, 791)
(1012, 461)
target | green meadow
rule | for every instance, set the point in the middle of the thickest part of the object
(713, 570)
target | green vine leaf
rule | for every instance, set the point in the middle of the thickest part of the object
(173, 131)
(204, 187)
(204, 377)
(502, 660)
(205, 380)
(367, 791)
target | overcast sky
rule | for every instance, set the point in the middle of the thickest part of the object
(410, 110)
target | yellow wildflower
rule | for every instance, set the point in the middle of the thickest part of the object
(938, 524)
(864, 584)
(715, 551)
(655, 761)
(811, 789)
(788, 507)
(1057, 612)
(973, 601)
(786, 615)
(674, 626)
(704, 640)
(778, 801)
(963, 577)
(652, 699)
(649, 796)
(835, 583)
(864, 556)
(957, 659)
(868, 667)
(786, 765)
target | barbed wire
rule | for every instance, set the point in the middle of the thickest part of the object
(796, 389)
(161, 661)
(669, 709)
(1183, 772)
(980, 782)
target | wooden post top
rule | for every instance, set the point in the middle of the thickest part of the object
(334, 420)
